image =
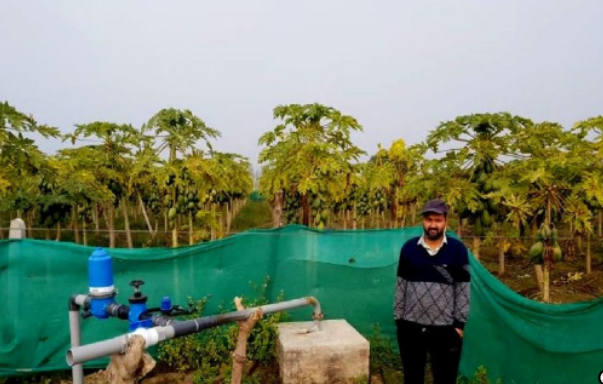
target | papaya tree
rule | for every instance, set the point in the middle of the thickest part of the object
(113, 162)
(306, 152)
(181, 130)
(587, 150)
(20, 160)
(548, 188)
(480, 143)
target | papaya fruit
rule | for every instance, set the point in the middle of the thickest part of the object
(486, 219)
(557, 254)
(491, 205)
(480, 208)
(483, 178)
(536, 250)
(546, 232)
(488, 167)
(324, 214)
(478, 228)
(172, 213)
(554, 235)
(487, 186)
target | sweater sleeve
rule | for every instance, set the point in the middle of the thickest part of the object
(462, 291)
(400, 289)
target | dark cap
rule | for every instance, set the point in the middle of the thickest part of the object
(435, 206)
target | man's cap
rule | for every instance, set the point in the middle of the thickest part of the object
(435, 206)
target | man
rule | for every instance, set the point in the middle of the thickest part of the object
(431, 302)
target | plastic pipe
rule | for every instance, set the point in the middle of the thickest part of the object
(75, 302)
(193, 326)
(152, 336)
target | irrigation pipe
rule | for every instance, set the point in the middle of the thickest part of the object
(174, 329)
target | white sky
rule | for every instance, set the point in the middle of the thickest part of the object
(399, 67)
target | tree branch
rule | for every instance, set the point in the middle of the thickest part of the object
(240, 352)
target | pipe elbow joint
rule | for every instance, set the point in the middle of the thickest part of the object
(318, 315)
(77, 301)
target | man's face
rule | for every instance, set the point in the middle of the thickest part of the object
(434, 225)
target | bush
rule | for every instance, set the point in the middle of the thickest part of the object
(479, 377)
(209, 352)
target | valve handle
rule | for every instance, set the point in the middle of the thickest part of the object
(136, 284)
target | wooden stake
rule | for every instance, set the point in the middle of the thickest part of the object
(240, 352)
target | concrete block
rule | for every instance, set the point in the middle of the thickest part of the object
(17, 229)
(338, 354)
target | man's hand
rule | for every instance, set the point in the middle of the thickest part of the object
(459, 331)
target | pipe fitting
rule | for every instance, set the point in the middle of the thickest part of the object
(77, 301)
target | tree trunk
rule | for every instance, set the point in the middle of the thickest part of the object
(213, 227)
(84, 232)
(501, 259)
(144, 213)
(190, 228)
(539, 277)
(96, 220)
(74, 222)
(111, 224)
(546, 294)
(277, 209)
(414, 214)
(58, 238)
(30, 215)
(476, 245)
(588, 257)
(600, 224)
(355, 217)
(124, 201)
(229, 216)
(305, 210)
(165, 219)
(47, 233)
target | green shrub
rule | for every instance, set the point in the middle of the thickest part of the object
(383, 354)
(479, 377)
(208, 353)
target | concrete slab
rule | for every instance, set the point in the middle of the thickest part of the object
(338, 354)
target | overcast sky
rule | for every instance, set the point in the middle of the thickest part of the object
(399, 67)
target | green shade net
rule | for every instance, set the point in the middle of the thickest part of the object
(351, 273)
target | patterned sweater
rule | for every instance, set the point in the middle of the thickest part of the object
(433, 290)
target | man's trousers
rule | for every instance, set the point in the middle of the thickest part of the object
(442, 343)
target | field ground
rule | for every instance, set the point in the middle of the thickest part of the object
(519, 276)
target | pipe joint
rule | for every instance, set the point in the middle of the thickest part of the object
(77, 301)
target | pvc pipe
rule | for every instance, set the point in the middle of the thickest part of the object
(75, 302)
(152, 336)
(117, 345)
(193, 326)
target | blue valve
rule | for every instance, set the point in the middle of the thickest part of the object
(166, 304)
